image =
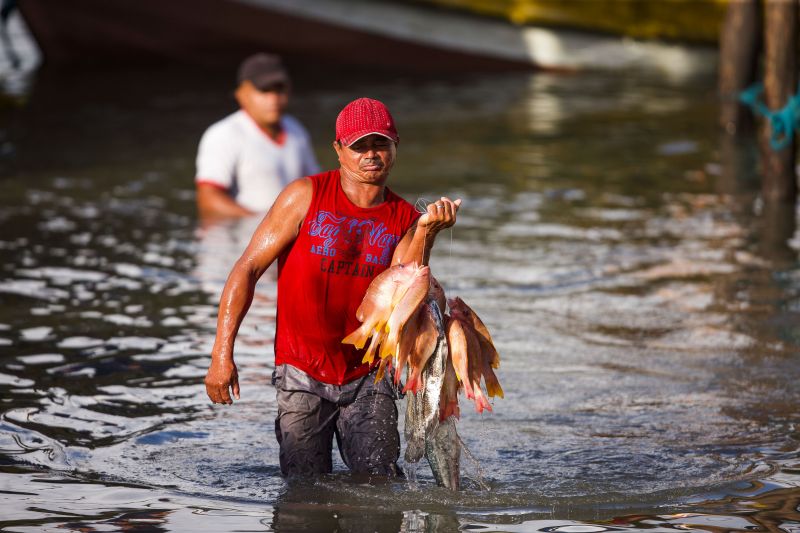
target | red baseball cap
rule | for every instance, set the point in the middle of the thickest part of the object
(363, 117)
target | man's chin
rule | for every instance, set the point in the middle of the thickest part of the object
(375, 176)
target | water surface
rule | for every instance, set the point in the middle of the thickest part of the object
(644, 302)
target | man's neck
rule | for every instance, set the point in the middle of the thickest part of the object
(360, 193)
(273, 130)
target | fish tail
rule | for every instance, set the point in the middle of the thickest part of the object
(358, 338)
(493, 387)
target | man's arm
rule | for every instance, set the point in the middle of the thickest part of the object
(279, 229)
(416, 244)
(212, 201)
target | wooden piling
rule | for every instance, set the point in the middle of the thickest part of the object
(780, 82)
(739, 42)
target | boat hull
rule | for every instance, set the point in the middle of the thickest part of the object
(213, 32)
(376, 35)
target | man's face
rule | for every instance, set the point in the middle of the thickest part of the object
(267, 106)
(369, 159)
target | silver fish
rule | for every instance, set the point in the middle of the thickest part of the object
(443, 450)
(424, 434)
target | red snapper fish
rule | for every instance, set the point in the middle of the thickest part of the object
(418, 338)
(484, 337)
(408, 304)
(417, 344)
(436, 293)
(448, 403)
(486, 357)
(382, 295)
(461, 345)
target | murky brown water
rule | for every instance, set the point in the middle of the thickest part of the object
(645, 306)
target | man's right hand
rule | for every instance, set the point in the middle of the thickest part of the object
(222, 378)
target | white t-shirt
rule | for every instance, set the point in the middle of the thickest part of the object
(236, 155)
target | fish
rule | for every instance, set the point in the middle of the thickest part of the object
(411, 299)
(422, 408)
(460, 309)
(458, 341)
(436, 292)
(418, 339)
(443, 451)
(483, 359)
(475, 368)
(425, 433)
(448, 403)
(493, 387)
(383, 294)
(417, 344)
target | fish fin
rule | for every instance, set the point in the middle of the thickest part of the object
(489, 351)
(398, 373)
(468, 389)
(369, 356)
(381, 370)
(389, 347)
(413, 382)
(449, 409)
(481, 402)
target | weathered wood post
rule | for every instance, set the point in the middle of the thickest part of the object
(780, 82)
(738, 60)
(776, 227)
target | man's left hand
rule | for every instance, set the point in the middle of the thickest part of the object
(440, 214)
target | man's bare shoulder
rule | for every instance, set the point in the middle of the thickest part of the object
(292, 203)
(297, 194)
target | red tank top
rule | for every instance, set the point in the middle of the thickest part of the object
(324, 274)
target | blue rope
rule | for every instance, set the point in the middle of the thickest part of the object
(782, 122)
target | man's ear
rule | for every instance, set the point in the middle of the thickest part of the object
(239, 93)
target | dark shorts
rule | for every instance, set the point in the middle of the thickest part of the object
(362, 415)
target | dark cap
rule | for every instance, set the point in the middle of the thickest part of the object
(263, 71)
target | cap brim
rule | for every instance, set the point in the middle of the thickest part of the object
(358, 136)
(265, 81)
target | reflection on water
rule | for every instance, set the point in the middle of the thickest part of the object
(644, 302)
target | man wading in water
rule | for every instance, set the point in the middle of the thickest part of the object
(332, 234)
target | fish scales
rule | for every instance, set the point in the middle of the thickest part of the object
(424, 433)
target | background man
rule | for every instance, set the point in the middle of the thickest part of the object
(247, 158)
(332, 234)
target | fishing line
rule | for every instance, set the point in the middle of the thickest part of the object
(421, 207)
(472, 458)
